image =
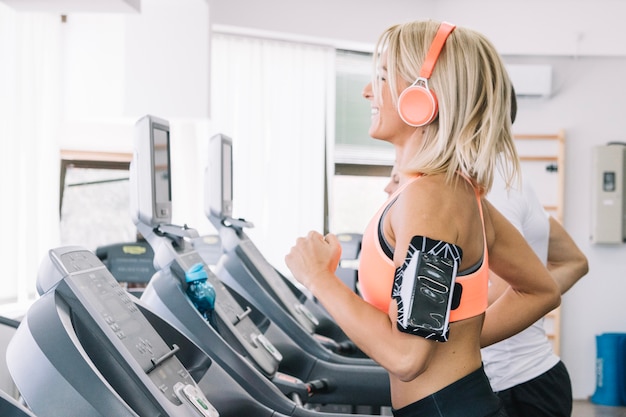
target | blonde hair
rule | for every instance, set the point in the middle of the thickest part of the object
(472, 133)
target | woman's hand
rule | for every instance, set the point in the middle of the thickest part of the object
(314, 258)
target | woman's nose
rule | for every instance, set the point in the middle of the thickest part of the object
(367, 91)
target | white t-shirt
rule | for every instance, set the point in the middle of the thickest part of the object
(529, 353)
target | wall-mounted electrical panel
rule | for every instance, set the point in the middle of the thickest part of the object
(608, 222)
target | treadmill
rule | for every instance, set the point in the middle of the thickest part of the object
(131, 263)
(88, 348)
(244, 268)
(257, 353)
(9, 407)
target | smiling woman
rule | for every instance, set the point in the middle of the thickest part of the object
(438, 216)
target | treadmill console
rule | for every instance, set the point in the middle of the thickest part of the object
(172, 245)
(151, 195)
(218, 208)
(121, 321)
(119, 347)
(274, 283)
(233, 317)
(218, 202)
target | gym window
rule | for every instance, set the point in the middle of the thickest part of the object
(362, 164)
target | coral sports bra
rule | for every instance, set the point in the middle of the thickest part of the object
(377, 269)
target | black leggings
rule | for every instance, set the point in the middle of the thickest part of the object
(470, 396)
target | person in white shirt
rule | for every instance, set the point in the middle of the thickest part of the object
(523, 370)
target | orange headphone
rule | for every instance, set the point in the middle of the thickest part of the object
(417, 104)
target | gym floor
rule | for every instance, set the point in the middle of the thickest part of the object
(588, 409)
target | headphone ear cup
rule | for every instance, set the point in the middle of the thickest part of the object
(417, 106)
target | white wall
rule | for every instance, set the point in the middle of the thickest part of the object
(583, 40)
(529, 27)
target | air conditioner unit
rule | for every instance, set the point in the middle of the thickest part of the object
(531, 80)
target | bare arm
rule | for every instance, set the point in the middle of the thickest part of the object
(566, 262)
(532, 292)
(423, 209)
(313, 261)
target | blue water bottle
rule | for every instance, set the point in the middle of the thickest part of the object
(200, 291)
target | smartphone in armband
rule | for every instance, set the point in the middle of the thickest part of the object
(423, 289)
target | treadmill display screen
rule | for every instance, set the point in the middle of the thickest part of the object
(162, 185)
(227, 173)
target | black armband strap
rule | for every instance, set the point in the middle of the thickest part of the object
(423, 287)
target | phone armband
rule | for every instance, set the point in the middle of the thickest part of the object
(423, 288)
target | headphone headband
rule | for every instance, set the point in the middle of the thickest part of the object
(417, 104)
(445, 29)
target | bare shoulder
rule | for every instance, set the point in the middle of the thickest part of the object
(435, 208)
(434, 197)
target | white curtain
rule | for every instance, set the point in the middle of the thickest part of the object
(29, 159)
(272, 98)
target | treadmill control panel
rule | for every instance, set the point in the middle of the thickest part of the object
(129, 330)
(229, 308)
(254, 260)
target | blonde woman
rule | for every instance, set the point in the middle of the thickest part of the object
(442, 97)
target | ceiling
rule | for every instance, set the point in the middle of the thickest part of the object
(70, 6)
